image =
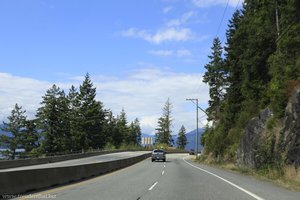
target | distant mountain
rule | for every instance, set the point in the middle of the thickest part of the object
(191, 139)
(147, 135)
(190, 136)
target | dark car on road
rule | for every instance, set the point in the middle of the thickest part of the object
(192, 152)
(158, 154)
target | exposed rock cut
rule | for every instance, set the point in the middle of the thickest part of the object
(246, 153)
(289, 143)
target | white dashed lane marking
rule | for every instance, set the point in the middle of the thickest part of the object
(153, 186)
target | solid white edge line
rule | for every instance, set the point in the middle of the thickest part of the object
(153, 186)
(234, 185)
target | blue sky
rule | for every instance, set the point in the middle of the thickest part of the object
(126, 46)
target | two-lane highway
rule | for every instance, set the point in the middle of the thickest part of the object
(178, 178)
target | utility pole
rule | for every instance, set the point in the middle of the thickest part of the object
(192, 100)
(277, 19)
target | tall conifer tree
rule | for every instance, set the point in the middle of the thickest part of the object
(163, 131)
(91, 115)
(181, 140)
(15, 126)
(215, 77)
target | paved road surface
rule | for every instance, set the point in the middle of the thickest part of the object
(176, 179)
(92, 159)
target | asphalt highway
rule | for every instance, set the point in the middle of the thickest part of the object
(176, 179)
(88, 160)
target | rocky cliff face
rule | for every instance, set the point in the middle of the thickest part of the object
(289, 143)
(260, 145)
(247, 151)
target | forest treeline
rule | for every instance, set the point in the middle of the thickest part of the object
(258, 67)
(67, 123)
(77, 122)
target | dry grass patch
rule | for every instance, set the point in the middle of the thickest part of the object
(289, 178)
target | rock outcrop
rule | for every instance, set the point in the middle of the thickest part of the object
(246, 153)
(285, 149)
(289, 143)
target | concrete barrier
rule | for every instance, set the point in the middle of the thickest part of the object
(5, 164)
(19, 182)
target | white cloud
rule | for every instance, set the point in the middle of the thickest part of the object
(24, 91)
(161, 52)
(172, 34)
(182, 20)
(47, 4)
(209, 3)
(166, 53)
(142, 93)
(162, 35)
(166, 10)
(183, 53)
(148, 122)
(133, 32)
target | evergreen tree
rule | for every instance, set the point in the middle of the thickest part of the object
(258, 27)
(110, 129)
(215, 76)
(54, 121)
(30, 137)
(283, 67)
(163, 132)
(134, 133)
(181, 139)
(15, 126)
(75, 119)
(233, 25)
(233, 49)
(261, 69)
(91, 115)
(138, 133)
(122, 129)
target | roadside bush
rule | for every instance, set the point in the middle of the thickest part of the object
(109, 146)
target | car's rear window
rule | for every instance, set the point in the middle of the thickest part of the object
(159, 151)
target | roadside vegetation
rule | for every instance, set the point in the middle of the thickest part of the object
(163, 137)
(69, 123)
(258, 67)
(75, 122)
(287, 177)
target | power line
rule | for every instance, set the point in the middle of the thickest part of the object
(192, 100)
(220, 24)
(222, 18)
(277, 21)
(285, 31)
(221, 21)
(197, 119)
(236, 7)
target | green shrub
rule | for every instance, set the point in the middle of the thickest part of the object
(109, 146)
(271, 123)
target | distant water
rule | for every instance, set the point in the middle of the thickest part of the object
(1, 156)
(2, 149)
